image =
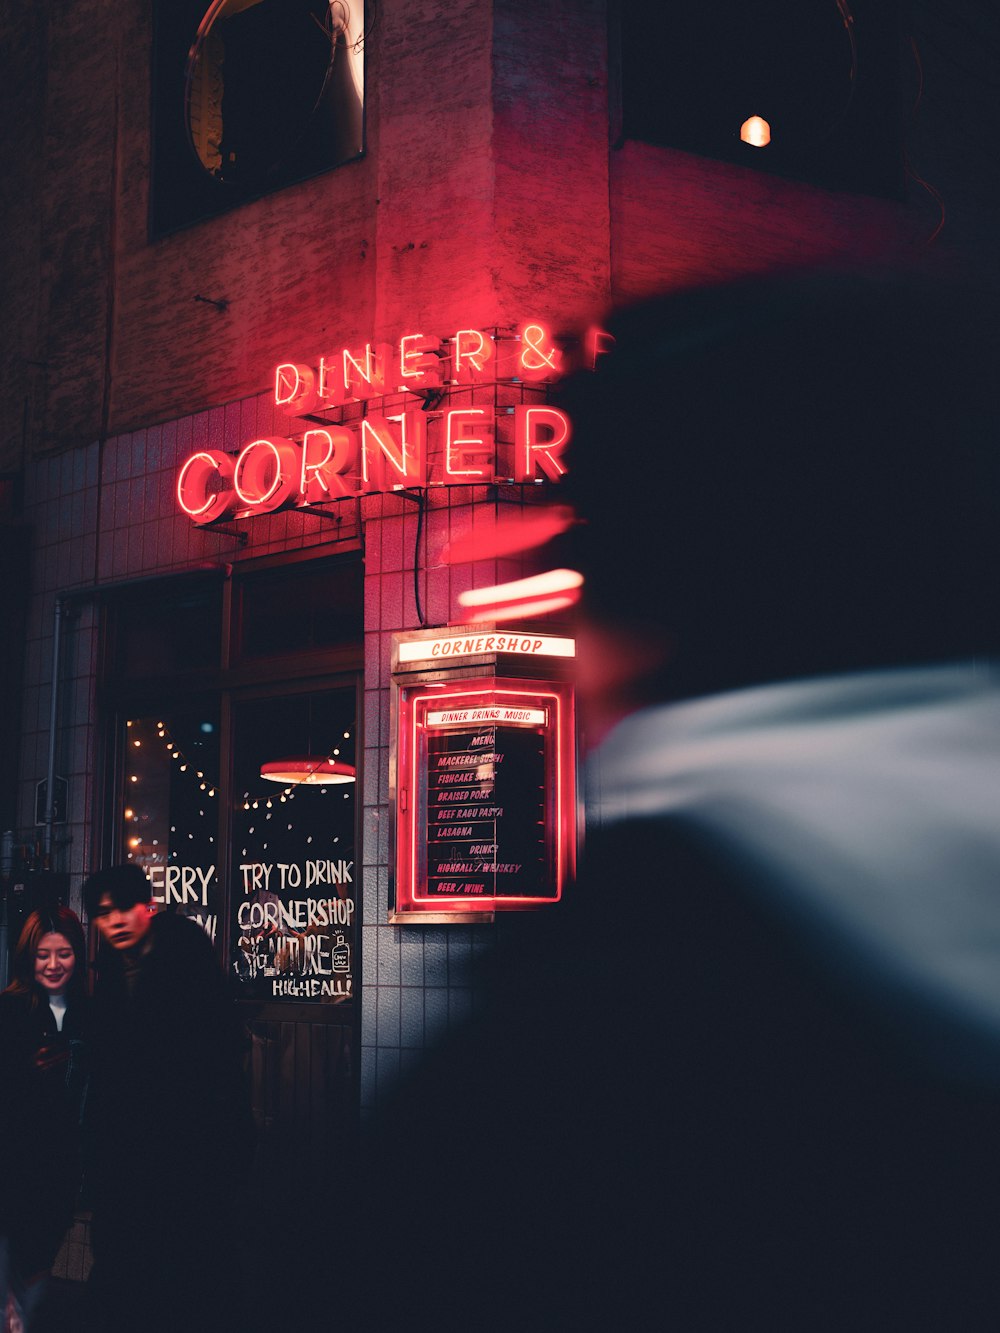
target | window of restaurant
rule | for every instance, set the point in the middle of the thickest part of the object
(160, 692)
(231, 703)
(250, 96)
(170, 807)
(297, 610)
(803, 88)
(232, 707)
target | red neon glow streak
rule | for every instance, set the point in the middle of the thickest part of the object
(408, 458)
(250, 473)
(506, 536)
(531, 450)
(538, 595)
(466, 904)
(539, 359)
(418, 364)
(472, 352)
(467, 446)
(323, 478)
(522, 609)
(552, 581)
(193, 481)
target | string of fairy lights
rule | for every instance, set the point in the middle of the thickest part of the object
(185, 765)
(266, 802)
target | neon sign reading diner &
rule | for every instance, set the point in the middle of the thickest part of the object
(386, 452)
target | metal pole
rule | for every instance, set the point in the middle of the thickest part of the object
(6, 866)
(50, 783)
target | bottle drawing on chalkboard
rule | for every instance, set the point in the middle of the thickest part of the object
(341, 955)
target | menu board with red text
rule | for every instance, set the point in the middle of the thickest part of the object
(485, 796)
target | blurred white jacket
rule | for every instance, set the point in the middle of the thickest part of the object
(862, 810)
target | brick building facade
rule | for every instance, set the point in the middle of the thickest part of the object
(494, 184)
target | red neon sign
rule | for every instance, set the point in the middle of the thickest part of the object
(540, 436)
(387, 452)
(204, 486)
(264, 474)
(329, 465)
(468, 446)
(420, 361)
(417, 361)
(365, 372)
(473, 350)
(540, 359)
(388, 461)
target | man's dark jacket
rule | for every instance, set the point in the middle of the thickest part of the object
(170, 1125)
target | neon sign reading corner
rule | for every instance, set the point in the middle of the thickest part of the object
(452, 446)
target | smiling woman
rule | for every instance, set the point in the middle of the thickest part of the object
(55, 963)
(43, 1080)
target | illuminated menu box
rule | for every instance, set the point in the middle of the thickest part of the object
(486, 802)
(485, 799)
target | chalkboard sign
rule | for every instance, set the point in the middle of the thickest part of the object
(293, 875)
(485, 804)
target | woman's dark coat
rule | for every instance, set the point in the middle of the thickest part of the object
(43, 1084)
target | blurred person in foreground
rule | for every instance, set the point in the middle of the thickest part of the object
(790, 638)
(44, 1025)
(747, 1077)
(170, 1122)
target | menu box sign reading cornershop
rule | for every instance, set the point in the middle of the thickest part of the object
(448, 647)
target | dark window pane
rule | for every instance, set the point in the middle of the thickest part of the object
(168, 628)
(250, 96)
(823, 76)
(301, 608)
(170, 810)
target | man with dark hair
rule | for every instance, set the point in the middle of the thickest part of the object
(170, 1122)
